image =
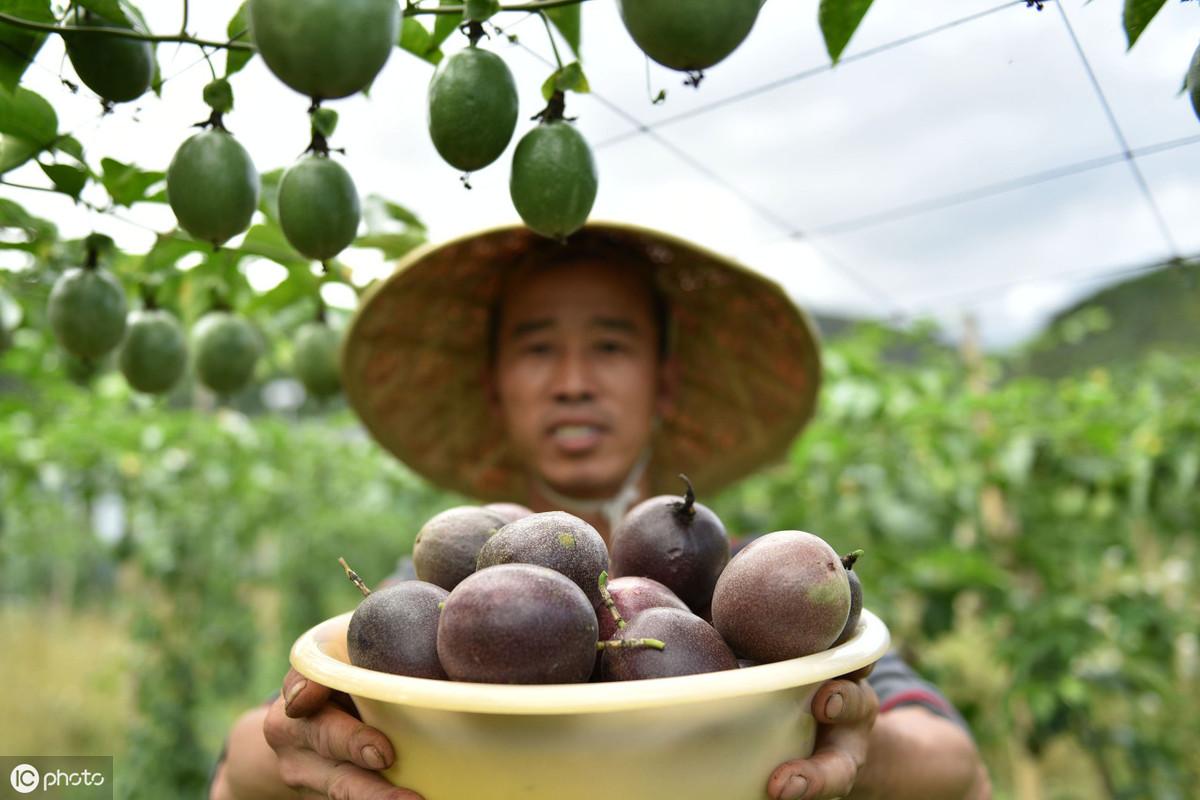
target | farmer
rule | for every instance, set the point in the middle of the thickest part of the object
(585, 378)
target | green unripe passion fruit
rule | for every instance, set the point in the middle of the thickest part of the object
(225, 349)
(553, 182)
(325, 48)
(472, 109)
(153, 354)
(87, 312)
(688, 35)
(316, 360)
(318, 207)
(212, 186)
(119, 70)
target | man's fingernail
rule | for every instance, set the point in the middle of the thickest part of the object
(795, 788)
(295, 691)
(834, 706)
(373, 757)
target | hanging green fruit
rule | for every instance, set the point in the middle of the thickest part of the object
(319, 209)
(153, 355)
(316, 360)
(553, 182)
(325, 49)
(688, 35)
(87, 311)
(117, 69)
(212, 186)
(226, 349)
(472, 108)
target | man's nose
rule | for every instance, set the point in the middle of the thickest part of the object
(572, 378)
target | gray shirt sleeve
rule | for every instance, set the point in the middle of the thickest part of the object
(898, 685)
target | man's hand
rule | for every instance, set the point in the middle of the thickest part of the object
(323, 750)
(845, 712)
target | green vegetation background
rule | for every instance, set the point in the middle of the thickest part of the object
(1031, 542)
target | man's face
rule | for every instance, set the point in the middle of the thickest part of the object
(577, 377)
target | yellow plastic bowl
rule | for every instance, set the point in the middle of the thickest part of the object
(716, 736)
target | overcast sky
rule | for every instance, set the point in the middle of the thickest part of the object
(803, 180)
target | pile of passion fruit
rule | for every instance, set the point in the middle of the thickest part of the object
(505, 595)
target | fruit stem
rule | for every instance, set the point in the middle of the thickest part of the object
(851, 557)
(631, 644)
(148, 296)
(609, 603)
(687, 509)
(215, 121)
(353, 576)
(550, 36)
(554, 109)
(93, 256)
(474, 31)
(322, 125)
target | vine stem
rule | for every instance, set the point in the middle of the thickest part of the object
(550, 36)
(412, 10)
(122, 33)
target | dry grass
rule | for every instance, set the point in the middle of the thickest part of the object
(66, 690)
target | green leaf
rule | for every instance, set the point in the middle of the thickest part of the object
(71, 146)
(238, 29)
(269, 242)
(839, 20)
(17, 45)
(67, 179)
(417, 40)
(26, 115)
(268, 197)
(568, 79)
(127, 184)
(15, 152)
(167, 251)
(111, 10)
(380, 214)
(393, 245)
(1138, 14)
(324, 121)
(566, 19)
(445, 24)
(135, 16)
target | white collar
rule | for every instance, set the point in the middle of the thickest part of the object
(614, 508)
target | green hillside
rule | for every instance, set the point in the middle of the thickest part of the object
(1156, 312)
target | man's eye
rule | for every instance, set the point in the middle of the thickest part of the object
(611, 346)
(537, 348)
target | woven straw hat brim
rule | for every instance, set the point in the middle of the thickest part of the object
(415, 356)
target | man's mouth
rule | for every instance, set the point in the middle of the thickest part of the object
(576, 437)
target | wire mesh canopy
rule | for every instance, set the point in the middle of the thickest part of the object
(415, 356)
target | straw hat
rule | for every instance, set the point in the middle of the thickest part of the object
(415, 354)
